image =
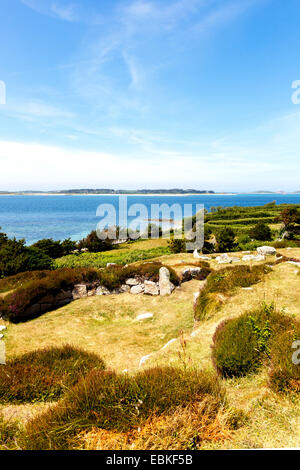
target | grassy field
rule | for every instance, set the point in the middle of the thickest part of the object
(107, 326)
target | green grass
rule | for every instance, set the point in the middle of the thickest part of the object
(100, 260)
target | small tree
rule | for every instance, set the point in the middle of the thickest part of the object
(50, 247)
(261, 231)
(226, 240)
(289, 216)
(94, 244)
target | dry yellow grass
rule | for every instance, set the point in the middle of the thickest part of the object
(186, 428)
(107, 326)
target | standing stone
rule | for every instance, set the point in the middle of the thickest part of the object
(151, 288)
(165, 286)
(79, 291)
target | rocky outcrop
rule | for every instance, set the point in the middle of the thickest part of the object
(165, 285)
(253, 258)
(101, 290)
(79, 291)
(266, 250)
(139, 289)
(151, 288)
(132, 282)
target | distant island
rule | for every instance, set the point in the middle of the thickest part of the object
(114, 191)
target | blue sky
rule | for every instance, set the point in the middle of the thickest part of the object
(150, 94)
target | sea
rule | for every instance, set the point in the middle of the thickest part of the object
(74, 216)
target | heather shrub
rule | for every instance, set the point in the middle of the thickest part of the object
(224, 282)
(228, 279)
(242, 344)
(44, 375)
(117, 402)
(13, 307)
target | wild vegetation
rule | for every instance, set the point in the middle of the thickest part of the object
(224, 381)
(44, 375)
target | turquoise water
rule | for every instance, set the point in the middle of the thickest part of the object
(60, 217)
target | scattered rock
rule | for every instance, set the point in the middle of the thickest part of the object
(91, 292)
(168, 343)
(247, 288)
(165, 286)
(224, 259)
(259, 258)
(144, 316)
(101, 290)
(295, 263)
(195, 272)
(109, 265)
(139, 289)
(124, 288)
(132, 282)
(196, 296)
(151, 288)
(2, 328)
(266, 250)
(79, 291)
(144, 359)
(1, 336)
(196, 254)
(248, 258)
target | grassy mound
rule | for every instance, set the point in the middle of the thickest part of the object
(223, 283)
(118, 403)
(241, 345)
(44, 375)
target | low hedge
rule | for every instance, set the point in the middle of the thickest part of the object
(44, 375)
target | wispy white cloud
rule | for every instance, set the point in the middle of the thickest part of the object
(36, 110)
(66, 13)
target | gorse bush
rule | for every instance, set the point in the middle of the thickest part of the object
(224, 282)
(44, 375)
(116, 402)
